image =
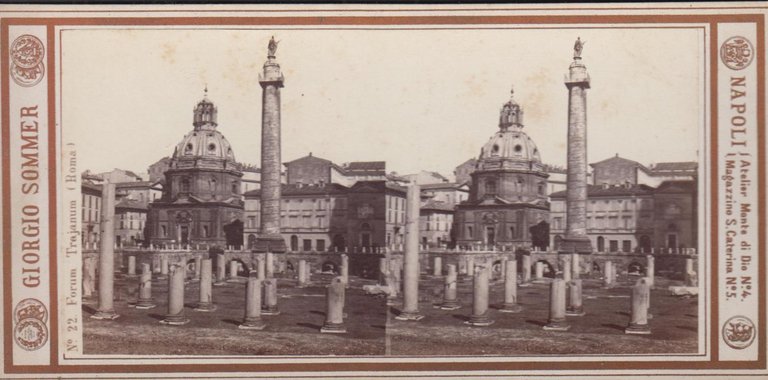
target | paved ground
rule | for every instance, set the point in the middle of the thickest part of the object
(372, 329)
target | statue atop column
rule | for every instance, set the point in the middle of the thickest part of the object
(578, 47)
(272, 47)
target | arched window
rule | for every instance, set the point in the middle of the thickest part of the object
(235, 187)
(294, 243)
(600, 244)
(541, 188)
(490, 187)
(212, 184)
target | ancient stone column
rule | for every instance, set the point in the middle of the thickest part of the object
(221, 270)
(270, 297)
(503, 268)
(539, 271)
(206, 282)
(567, 268)
(470, 266)
(638, 323)
(510, 289)
(131, 266)
(302, 272)
(175, 314)
(145, 288)
(92, 271)
(383, 270)
(479, 315)
(344, 270)
(269, 264)
(261, 267)
(88, 279)
(252, 320)
(650, 270)
(437, 266)
(163, 266)
(397, 274)
(270, 240)
(450, 302)
(308, 275)
(556, 320)
(198, 268)
(410, 310)
(232, 270)
(608, 275)
(577, 82)
(575, 307)
(106, 309)
(526, 271)
(576, 264)
(690, 273)
(334, 316)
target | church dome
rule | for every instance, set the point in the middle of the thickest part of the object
(510, 143)
(204, 142)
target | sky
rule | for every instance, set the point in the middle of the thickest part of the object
(417, 99)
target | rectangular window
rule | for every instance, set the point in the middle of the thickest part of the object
(626, 246)
(307, 244)
(614, 245)
(320, 244)
(613, 222)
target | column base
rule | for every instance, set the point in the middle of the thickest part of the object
(557, 325)
(575, 244)
(333, 328)
(511, 308)
(409, 316)
(220, 283)
(105, 315)
(270, 243)
(575, 311)
(481, 320)
(175, 320)
(145, 304)
(449, 305)
(270, 310)
(635, 329)
(524, 284)
(206, 307)
(252, 324)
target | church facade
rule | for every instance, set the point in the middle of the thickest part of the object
(508, 201)
(202, 201)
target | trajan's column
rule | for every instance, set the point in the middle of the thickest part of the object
(271, 81)
(577, 82)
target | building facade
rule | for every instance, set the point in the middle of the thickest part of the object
(91, 212)
(632, 207)
(312, 217)
(436, 224)
(376, 214)
(508, 195)
(201, 201)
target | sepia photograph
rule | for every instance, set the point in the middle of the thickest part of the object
(447, 192)
(521, 191)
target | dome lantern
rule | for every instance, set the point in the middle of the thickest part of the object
(511, 114)
(205, 114)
